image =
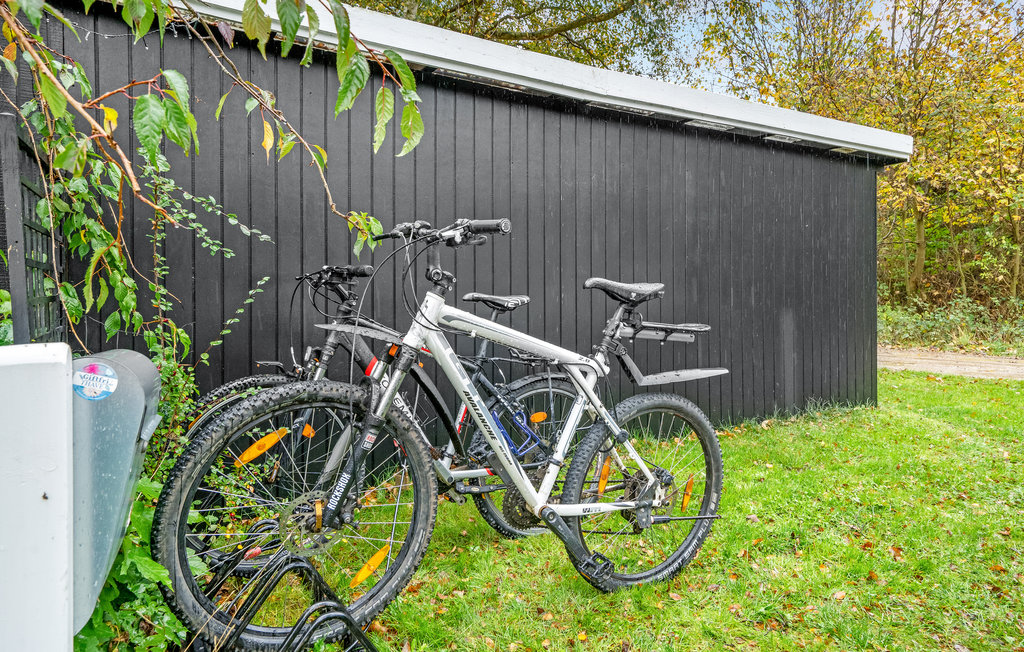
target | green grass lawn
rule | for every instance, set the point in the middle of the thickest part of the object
(896, 527)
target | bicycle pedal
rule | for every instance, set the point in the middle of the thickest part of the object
(597, 566)
(454, 496)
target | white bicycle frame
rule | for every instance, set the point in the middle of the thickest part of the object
(584, 372)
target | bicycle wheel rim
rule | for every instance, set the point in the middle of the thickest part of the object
(667, 440)
(386, 516)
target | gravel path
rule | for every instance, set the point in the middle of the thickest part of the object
(949, 363)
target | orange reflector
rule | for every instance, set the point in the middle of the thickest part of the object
(537, 417)
(605, 470)
(255, 552)
(319, 507)
(307, 431)
(687, 494)
(370, 566)
(260, 447)
(393, 350)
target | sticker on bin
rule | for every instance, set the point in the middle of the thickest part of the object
(95, 381)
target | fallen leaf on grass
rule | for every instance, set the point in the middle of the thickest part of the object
(547, 616)
(546, 643)
(406, 647)
(742, 554)
(753, 518)
(714, 587)
(872, 576)
(1005, 532)
(839, 595)
(675, 596)
(996, 568)
(896, 552)
(377, 628)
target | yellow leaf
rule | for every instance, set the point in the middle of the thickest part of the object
(11, 51)
(268, 138)
(109, 119)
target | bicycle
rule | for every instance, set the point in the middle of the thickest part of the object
(643, 486)
(540, 396)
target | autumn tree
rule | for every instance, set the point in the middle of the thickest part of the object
(943, 71)
(628, 35)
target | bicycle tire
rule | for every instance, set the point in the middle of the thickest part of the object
(491, 505)
(207, 465)
(660, 550)
(219, 399)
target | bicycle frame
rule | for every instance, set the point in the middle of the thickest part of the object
(583, 371)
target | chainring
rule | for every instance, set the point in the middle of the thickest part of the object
(514, 507)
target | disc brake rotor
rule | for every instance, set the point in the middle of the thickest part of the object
(301, 525)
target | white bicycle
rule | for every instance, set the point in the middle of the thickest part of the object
(327, 479)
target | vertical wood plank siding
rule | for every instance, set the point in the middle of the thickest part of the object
(772, 245)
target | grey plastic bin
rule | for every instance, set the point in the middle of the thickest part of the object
(115, 398)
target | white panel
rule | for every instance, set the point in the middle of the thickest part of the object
(35, 511)
(475, 57)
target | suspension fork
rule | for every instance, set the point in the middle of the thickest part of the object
(364, 441)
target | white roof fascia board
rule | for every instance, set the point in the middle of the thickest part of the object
(434, 47)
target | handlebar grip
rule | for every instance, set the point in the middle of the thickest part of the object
(361, 270)
(501, 226)
(384, 236)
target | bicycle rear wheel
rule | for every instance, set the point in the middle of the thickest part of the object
(679, 446)
(545, 400)
(244, 502)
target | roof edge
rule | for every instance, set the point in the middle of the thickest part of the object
(488, 61)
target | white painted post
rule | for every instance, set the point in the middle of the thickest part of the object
(35, 498)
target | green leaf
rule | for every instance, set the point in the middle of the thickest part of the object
(341, 25)
(90, 272)
(34, 10)
(385, 110)
(177, 126)
(405, 75)
(356, 76)
(59, 16)
(290, 16)
(150, 119)
(320, 155)
(12, 68)
(69, 296)
(104, 293)
(177, 83)
(357, 248)
(220, 105)
(112, 324)
(256, 24)
(314, 28)
(67, 158)
(412, 128)
(251, 104)
(54, 97)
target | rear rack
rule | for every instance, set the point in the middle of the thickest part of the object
(660, 332)
(652, 330)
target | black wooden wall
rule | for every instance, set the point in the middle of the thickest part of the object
(772, 245)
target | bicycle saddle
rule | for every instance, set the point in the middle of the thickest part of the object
(497, 301)
(631, 293)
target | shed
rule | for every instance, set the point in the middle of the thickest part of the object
(759, 220)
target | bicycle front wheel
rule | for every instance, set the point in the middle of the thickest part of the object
(239, 522)
(679, 446)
